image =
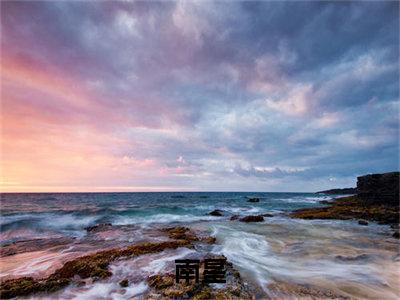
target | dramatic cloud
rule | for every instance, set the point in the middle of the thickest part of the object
(197, 95)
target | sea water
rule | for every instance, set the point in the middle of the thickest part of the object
(358, 261)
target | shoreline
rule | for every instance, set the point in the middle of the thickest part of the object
(280, 244)
(353, 208)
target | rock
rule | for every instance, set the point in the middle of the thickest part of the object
(267, 215)
(253, 199)
(352, 207)
(344, 191)
(325, 202)
(363, 222)
(33, 245)
(252, 219)
(288, 290)
(98, 227)
(216, 212)
(208, 239)
(124, 283)
(352, 258)
(163, 286)
(234, 217)
(93, 266)
(180, 233)
(379, 188)
(396, 234)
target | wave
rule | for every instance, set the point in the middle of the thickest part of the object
(162, 218)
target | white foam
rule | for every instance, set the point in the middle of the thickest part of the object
(252, 253)
(162, 219)
(104, 290)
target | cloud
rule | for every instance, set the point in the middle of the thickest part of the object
(185, 94)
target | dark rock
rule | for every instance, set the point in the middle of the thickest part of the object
(352, 258)
(124, 283)
(267, 215)
(216, 212)
(252, 219)
(208, 239)
(345, 191)
(325, 202)
(253, 199)
(234, 217)
(363, 222)
(379, 188)
(98, 227)
(396, 234)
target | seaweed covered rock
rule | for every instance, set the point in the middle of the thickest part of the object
(284, 290)
(94, 265)
(180, 233)
(164, 286)
(27, 285)
(352, 207)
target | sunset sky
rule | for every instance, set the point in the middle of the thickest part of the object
(202, 96)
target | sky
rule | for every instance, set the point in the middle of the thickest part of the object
(197, 96)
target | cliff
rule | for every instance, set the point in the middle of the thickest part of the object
(379, 188)
(377, 200)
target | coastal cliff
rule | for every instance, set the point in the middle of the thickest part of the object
(377, 199)
(379, 188)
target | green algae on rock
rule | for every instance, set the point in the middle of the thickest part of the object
(352, 207)
(164, 286)
(93, 265)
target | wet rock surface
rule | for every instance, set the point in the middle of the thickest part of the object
(253, 199)
(284, 290)
(347, 208)
(98, 227)
(34, 245)
(216, 212)
(124, 283)
(248, 219)
(360, 257)
(163, 286)
(234, 218)
(363, 222)
(267, 215)
(95, 265)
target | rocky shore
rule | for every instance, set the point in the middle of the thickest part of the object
(377, 200)
(95, 266)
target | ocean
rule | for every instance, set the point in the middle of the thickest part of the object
(51, 228)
